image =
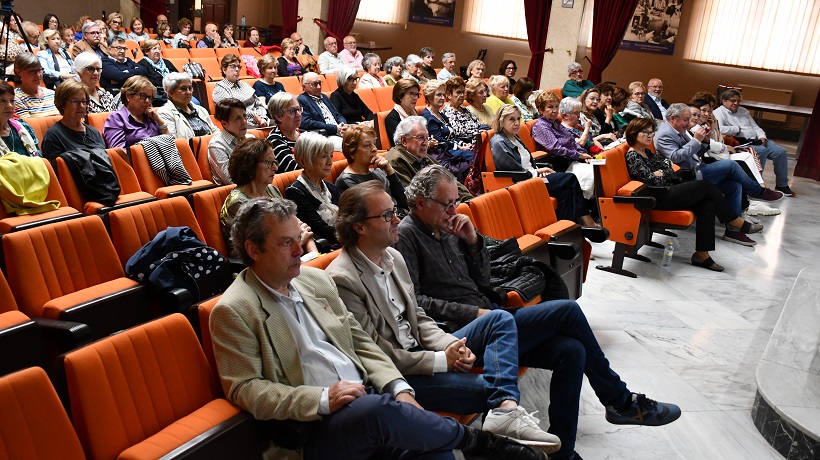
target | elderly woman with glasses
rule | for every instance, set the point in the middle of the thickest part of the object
(115, 28)
(71, 132)
(570, 111)
(232, 87)
(15, 135)
(372, 64)
(576, 84)
(635, 107)
(156, 68)
(286, 112)
(317, 200)
(590, 100)
(31, 99)
(89, 68)
(184, 119)
(464, 125)
(345, 99)
(137, 119)
(405, 94)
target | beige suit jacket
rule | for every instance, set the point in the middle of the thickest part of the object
(82, 46)
(256, 355)
(363, 296)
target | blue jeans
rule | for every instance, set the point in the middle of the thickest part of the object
(494, 340)
(556, 335)
(780, 159)
(732, 181)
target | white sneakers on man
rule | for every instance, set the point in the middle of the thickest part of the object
(521, 426)
(759, 208)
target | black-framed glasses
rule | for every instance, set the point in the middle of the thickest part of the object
(79, 102)
(145, 97)
(447, 206)
(386, 216)
(269, 163)
(294, 110)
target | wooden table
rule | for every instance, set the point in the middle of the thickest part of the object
(757, 109)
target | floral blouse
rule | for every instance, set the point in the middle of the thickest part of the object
(463, 124)
(643, 169)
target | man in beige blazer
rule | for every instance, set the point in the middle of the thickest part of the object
(93, 40)
(375, 285)
(286, 349)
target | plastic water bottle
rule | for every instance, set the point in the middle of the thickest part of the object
(242, 21)
(668, 251)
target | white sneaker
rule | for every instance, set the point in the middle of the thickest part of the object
(759, 208)
(523, 427)
(748, 218)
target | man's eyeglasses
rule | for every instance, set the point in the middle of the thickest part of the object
(447, 206)
(93, 32)
(119, 48)
(418, 137)
(315, 84)
(235, 66)
(386, 216)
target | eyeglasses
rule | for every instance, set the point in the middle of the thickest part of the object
(734, 101)
(648, 132)
(578, 72)
(353, 79)
(512, 68)
(294, 110)
(418, 137)
(145, 97)
(95, 32)
(94, 69)
(447, 206)
(79, 102)
(116, 22)
(315, 84)
(119, 48)
(185, 89)
(235, 66)
(594, 99)
(387, 216)
(350, 43)
(412, 94)
(639, 94)
(268, 163)
(35, 72)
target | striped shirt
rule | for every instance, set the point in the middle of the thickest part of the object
(283, 150)
(26, 106)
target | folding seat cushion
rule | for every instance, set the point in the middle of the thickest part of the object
(150, 182)
(145, 392)
(323, 261)
(13, 222)
(381, 130)
(41, 124)
(97, 120)
(207, 206)
(34, 424)
(495, 216)
(176, 53)
(202, 53)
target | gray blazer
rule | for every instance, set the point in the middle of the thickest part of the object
(685, 154)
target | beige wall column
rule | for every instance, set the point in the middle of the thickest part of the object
(562, 37)
(310, 32)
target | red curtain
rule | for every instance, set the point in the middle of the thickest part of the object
(149, 9)
(808, 164)
(290, 14)
(610, 18)
(537, 13)
(341, 14)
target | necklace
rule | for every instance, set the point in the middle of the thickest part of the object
(13, 146)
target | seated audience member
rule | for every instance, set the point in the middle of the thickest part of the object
(330, 61)
(576, 84)
(394, 67)
(359, 148)
(253, 40)
(115, 28)
(372, 64)
(14, 32)
(464, 125)
(375, 285)
(89, 68)
(31, 34)
(448, 62)
(117, 67)
(318, 113)
(570, 111)
(635, 106)
(700, 196)
(17, 135)
(301, 47)
(30, 99)
(499, 92)
(286, 115)
(475, 69)
(350, 55)
(449, 263)
(345, 99)
(737, 122)
(521, 92)
(590, 99)
(405, 94)
(412, 69)
(317, 200)
(162, 19)
(138, 32)
(57, 65)
(164, 35)
(232, 87)
(341, 414)
(227, 37)
(51, 21)
(508, 69)
(156, 68)
(510, 154)
(605, 112)
(67, 35)
(71, 132)
(211, 38)
(231, 114)
(427, 54)
(657, 105)
(410, 155)
(136, 120)
(288, 65)
(551, 137)
(476, 95)
(451, 153)
(267, 86)
(674, 143)
(103, 29)
(184, 119)
(252, 168)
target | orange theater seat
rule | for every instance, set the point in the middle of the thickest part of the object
(336, 170)
(97, 120)
(292, 85)
(150, 182)
(177, 53)
(213, 72)
(199, 147)
(525, 133)
(366, 95)
(381, 130)
(149, 392)
(207, 206)
(384, 97)
(282, 181)
(323, 260)
(202, 53)
(41, 124)
(13, 223)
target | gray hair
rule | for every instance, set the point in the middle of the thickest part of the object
(730, 93)
(496, 80)
(676, 110)
(172, 81)
(89, 25)
(425, 182)
(115, 39)
(405, 126)
(26, 61)
(86, 59)
(569, 104)
(343, 74)
(249, 223)
(426, 51)
(309, 146)
(572, 67)
(393, 62)
(369, 59)
(412, 59)
(279, 102)
(446, 56)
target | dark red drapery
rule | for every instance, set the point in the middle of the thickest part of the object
(290, 14)
(610, 19)
(341, 14)
(149, 9)
(537, 13)
(808, 164)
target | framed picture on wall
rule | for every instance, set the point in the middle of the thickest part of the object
(654, 27)
(434, 12)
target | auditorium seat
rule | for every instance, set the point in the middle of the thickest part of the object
(179, 63)
(97, 120)
(323, 260)
(366, 95)
(283, 180)
(250, 52)
(291, 84)
(41, 124)
(134, 51)
(204, 314)
(209, 90)
(384, 97)
(199, 147)
(203, 53)
(178, 53)
(381, 130)
(329, 83)
(150, 182)
(13, 223)
(525, 133)
(207, 206)
(213, 71)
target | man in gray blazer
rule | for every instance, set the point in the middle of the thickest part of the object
(375, 286)
(286, 349)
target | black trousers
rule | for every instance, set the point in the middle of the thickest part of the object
(566, 189)
(705, 200)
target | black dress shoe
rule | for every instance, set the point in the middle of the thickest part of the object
(485, 445)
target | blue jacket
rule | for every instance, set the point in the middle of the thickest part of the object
(505, 154)
(47, 62)
(656, 111)
(114, 73)
(312, 119)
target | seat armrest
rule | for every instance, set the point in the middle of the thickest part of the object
(595, 234)
(631, 188)
(516, 176)
(642, 203)
(67, 335)
(235, 438)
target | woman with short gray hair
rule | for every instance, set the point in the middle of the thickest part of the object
(30, 99)
(393, 68)
(345, 99)
(184, 119)
(412, 68)
(286, 115)
(372, 64)
(89, 70)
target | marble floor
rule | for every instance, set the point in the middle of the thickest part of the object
(687, 335)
